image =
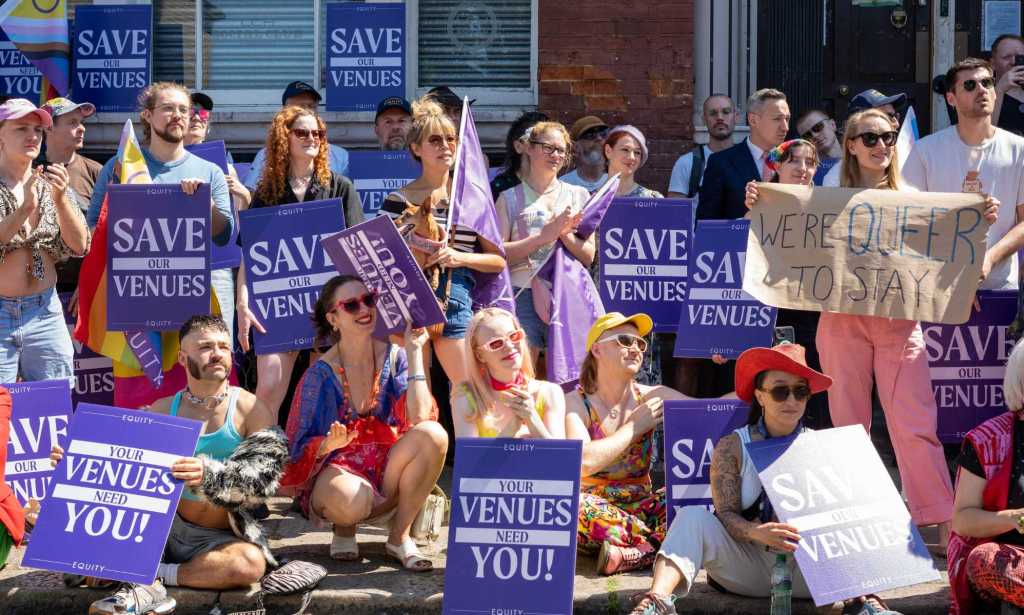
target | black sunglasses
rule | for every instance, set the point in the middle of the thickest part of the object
(814, 130)
(870, 139)
(782, 392)
(986, 82)
(352, 305)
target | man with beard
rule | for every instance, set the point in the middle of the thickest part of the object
(588, 134)
(203, 550)
(392, 123)
(720, 118)
(165, 114)
(976, 156)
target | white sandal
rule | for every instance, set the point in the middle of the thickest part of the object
(344, 548)
(408, 554)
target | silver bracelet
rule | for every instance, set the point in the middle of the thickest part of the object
(416, 377)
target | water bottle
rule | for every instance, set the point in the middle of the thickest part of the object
(782, 586)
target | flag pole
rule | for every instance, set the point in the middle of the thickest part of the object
(460, 157)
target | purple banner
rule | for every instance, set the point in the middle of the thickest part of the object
(158, 256)
(375, 253)
(644, 250)
(230, 254)
(113, 499)
(211, 151)
(692, 429)
(94, 373)
(40, 412)
(378, 174)
(512, 535)
(285, 267)
(968, 362)
(718, 316)
(856, 536)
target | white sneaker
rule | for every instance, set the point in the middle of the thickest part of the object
(135, 599)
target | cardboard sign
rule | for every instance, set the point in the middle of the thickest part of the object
(908, 255)
(40, 412)
(285, 267)
(18, 76)
(512, 538)
(378, 174)
(113, 498)
(365, 54)
(644, 250)
(94, 373)
(718, 316)
(692, 429)
(968, 362)
(228, 255)
(112, 55)
(856, 536)
(375, 252)
(158, 256)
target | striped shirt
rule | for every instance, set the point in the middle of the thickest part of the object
(464, 239)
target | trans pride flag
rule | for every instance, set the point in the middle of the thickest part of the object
(39, 29)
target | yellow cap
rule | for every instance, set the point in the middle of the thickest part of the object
(643, 323)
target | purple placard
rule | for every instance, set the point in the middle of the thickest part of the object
(94, 373)
(285, 267)
(228, 255)
(40, 412)
(644, 248)
(512, 534)
(856, 536)
(211, 151)
(718, 316)
(158, 256)
(375, 253)
(378, 174)
(113, 499)
(692, 429)
(967, 363)
(242, 169)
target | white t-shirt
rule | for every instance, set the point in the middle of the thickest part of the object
(680, 179)
(574, 179)
(939, 163)
(831, 179)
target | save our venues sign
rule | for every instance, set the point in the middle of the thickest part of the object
(365, 54)
(112, 55)
(18, 76)
(40, 412)
(377, 174)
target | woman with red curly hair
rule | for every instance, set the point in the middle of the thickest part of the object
(296, 170)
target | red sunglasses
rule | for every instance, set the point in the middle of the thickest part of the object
(351, 306)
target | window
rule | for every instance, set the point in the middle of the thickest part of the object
(725, 57)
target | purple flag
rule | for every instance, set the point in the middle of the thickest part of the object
(597, 205)
(473, 207)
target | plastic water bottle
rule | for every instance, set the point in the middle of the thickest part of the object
(782, 587)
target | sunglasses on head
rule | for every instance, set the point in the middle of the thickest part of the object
(627, 340)
(351, 306)
(513, 338)
(200, 113)
(814, 130)
(782, 392)
(870, 139)
(305, 133)
(986, 82)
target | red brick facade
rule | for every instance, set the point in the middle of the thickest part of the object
(626, 62)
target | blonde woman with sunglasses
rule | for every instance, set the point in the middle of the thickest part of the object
(501, 398)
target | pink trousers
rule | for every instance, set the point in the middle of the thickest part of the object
(859, 350)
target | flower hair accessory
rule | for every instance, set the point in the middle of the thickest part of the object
(776, 154)
(527, 135)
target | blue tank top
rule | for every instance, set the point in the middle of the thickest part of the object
(217, 445)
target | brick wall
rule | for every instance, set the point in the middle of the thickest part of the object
(626, 62)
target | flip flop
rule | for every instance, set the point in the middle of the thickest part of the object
(408, 554)
(344, 548)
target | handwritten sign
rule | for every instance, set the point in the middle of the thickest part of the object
(908, 255)
(18, 75)
(40, 412)
(512, 540)
(378, 174)
(365, 54)
(113, 498)
(158, 256)
(94, 373)
(718, 316)
(112, 55)
(644, 248)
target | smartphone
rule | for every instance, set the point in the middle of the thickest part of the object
(1018, 60)
(784, 334)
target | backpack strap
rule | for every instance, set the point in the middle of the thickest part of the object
(696, 171)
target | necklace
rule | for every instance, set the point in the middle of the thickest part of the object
(373, 399)
(209, 402)
(613, 411)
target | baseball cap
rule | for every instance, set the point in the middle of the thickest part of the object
(204, 101)
(57, 107)
(643, 324)
(584, 124)
(870, 99)
(299, 87)
(446, 97)
(393, 102)
(17, 108)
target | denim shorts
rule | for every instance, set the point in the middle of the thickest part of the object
(460, 302)
(34, 341)
(536, 330)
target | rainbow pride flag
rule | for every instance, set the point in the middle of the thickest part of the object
(39, 29)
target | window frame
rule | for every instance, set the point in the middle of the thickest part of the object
(719, 65)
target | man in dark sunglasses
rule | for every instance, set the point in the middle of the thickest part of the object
(976, 156)
(588, 134)
(816, 126)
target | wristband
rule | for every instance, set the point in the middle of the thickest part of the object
(416, 377)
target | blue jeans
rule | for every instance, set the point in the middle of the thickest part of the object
(34, 341)
(460, 302)
(536, 330)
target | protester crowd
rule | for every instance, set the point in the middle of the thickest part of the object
(363, 440)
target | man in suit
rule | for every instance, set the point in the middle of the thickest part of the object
(728, 171)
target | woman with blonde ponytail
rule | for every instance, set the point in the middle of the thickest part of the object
(421, 210)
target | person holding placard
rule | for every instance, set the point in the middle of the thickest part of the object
(365, 442)
(296, 171)
(502, 398)
(40, 226)
(448, 258)
(533, 215)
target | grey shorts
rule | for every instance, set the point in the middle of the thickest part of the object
(188, 540)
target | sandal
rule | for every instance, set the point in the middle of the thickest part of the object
(867, 605)
(344, 548)
(408, 554)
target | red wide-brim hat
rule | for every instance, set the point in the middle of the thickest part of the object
(785, 358)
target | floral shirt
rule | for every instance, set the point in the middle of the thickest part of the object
(45, 237)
